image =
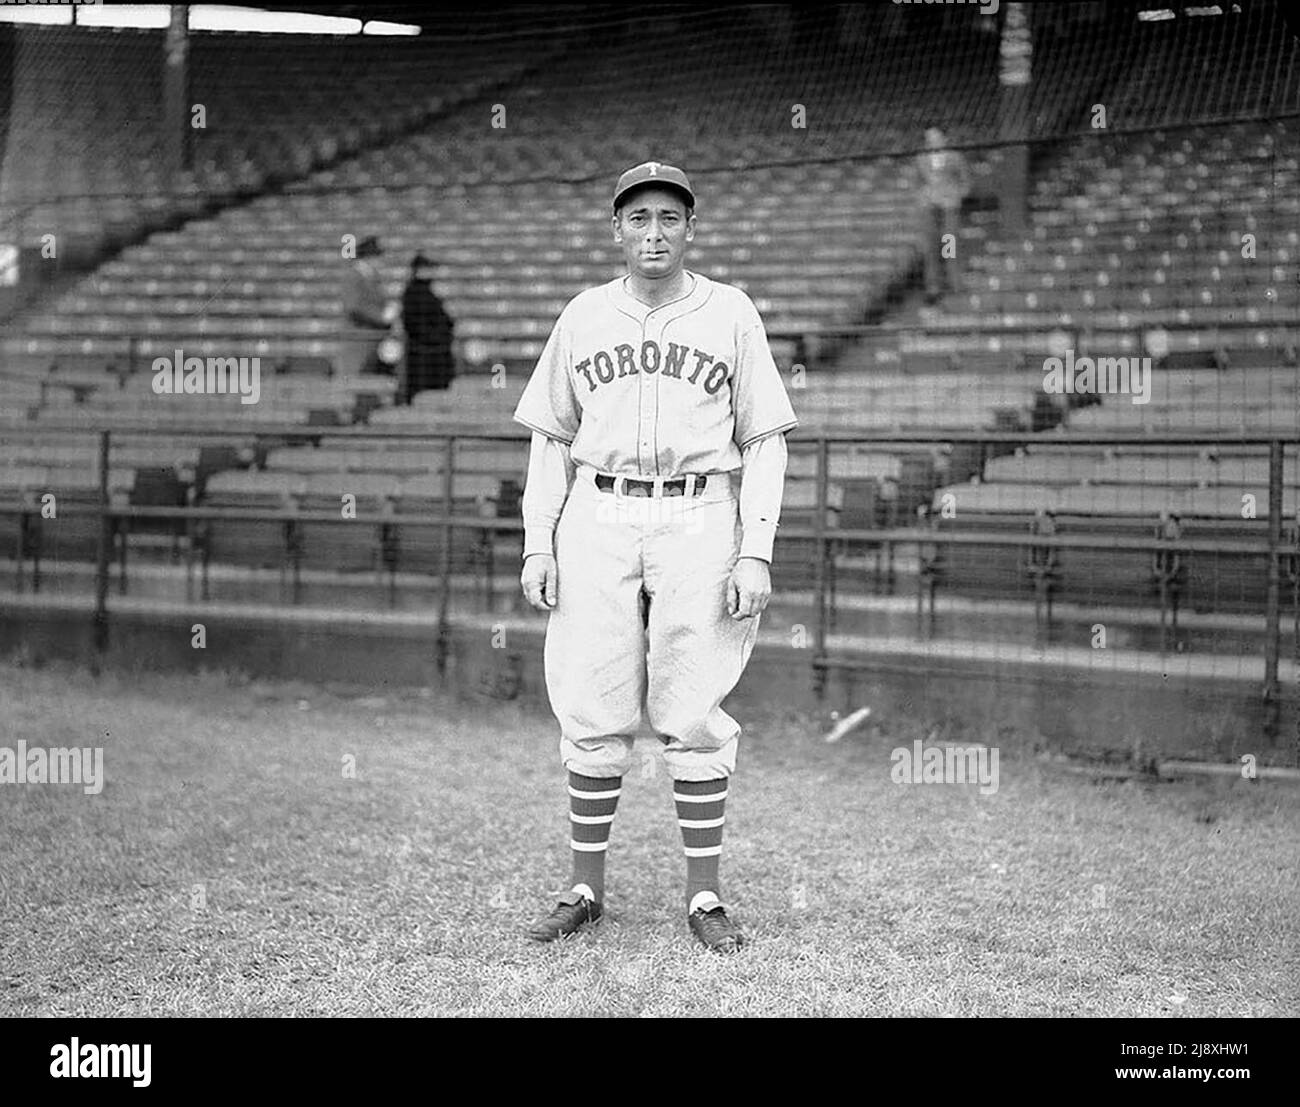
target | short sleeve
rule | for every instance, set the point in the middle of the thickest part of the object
(549, 404)
(758, 395)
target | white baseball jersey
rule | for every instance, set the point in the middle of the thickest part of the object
(664, 391)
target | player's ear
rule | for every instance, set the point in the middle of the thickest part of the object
(690, 227)
(618, 230)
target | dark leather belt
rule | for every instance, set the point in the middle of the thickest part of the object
(633, 487)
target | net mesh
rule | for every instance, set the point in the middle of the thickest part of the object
(1160, 171)
(716, 87)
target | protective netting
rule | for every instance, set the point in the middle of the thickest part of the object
(717, 87)
(1154, 160)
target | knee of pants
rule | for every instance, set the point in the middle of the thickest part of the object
(702, 764)
(686, 729)
(606, 756)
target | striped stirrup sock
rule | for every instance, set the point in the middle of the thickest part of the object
(592, 802)
(700, 814)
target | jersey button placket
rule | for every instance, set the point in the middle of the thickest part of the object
(640, 513)
(645, 419)
(650, 393)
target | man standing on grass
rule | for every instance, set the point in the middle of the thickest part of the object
(654, 487)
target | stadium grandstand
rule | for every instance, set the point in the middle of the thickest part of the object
(1135, 195)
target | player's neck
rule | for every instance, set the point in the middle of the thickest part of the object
(657, 293)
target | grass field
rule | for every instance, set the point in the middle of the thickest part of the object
(230, 867)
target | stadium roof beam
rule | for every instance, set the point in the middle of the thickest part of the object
(203, 17)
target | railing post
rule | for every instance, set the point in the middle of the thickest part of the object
(823, 498)
(1293, 569)
(389, 548)
(929, 561)
(103, 551)
(189, 546)
(1272, 613)
(20, 545)
(443, 649)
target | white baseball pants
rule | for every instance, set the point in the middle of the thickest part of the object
(610, 663)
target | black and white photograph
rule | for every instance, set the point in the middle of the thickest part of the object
(650, 511)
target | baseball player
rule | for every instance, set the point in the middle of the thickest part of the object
(654, 487)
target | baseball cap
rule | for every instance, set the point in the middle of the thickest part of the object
(653, 173)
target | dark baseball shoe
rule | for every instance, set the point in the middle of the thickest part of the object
(715, 930)
(573, 910)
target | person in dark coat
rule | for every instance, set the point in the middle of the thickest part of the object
(429, 359)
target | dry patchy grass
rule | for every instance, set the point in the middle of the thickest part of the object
(230, 868)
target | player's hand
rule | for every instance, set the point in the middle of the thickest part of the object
(749, 588)
(540, 581)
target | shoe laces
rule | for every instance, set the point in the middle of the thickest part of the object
(715, 921)
(561, 910)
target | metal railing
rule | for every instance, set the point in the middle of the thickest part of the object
(1271, 549)
(828, 540)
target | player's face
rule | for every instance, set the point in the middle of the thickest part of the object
(653, 229)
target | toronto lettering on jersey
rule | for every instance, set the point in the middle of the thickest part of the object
(624, 361)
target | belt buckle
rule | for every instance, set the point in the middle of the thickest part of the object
(641, 488)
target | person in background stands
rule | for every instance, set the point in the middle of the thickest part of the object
(945, 181)
(429, 360)
(367, 314)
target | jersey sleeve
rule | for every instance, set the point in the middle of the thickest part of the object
(762, 485)
(758, 395)
(549, 403)
(550, 476)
